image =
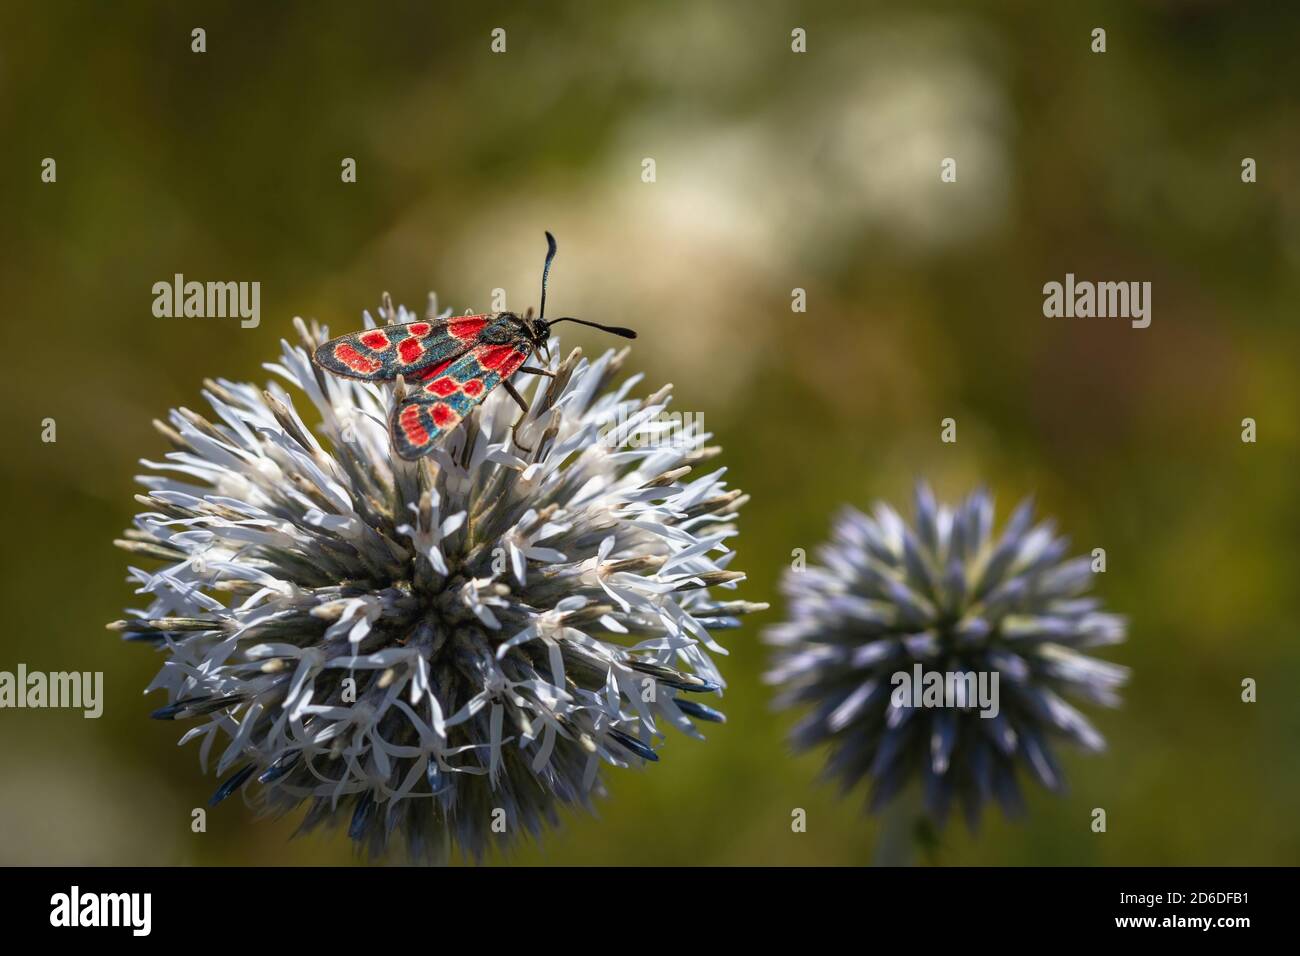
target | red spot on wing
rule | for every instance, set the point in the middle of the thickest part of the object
(425, 374)
(354, 360)
(442, 414)
(412, 427)
(441, 386)
(467, 329)
(473, 388)
(419, 329)
(375, 339)
(509, 365)
(410, 350)
(503, 359)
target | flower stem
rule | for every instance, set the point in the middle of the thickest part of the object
(896, 844)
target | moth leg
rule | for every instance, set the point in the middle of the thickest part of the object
(535, 371)
(519, 399)
(514, 429)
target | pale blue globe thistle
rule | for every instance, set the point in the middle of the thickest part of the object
(949, 594)
(440, 653)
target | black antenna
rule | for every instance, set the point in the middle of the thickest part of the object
(616, 329)
(546, 271)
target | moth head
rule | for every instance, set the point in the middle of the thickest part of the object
(539, 330)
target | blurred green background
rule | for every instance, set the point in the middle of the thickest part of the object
(775, 170)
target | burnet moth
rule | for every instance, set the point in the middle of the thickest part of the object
(449, 365)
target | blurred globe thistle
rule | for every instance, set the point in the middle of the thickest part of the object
(947, 594)
(433, 650)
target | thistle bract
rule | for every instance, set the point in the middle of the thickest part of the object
(434, 653)
(948, 601)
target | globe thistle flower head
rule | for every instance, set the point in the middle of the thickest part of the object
(440, 653)
(945, 595)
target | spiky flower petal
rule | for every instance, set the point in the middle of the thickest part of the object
(444, 651)
(949, 595)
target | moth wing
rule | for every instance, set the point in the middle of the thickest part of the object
(440, 402)
(381, 354)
